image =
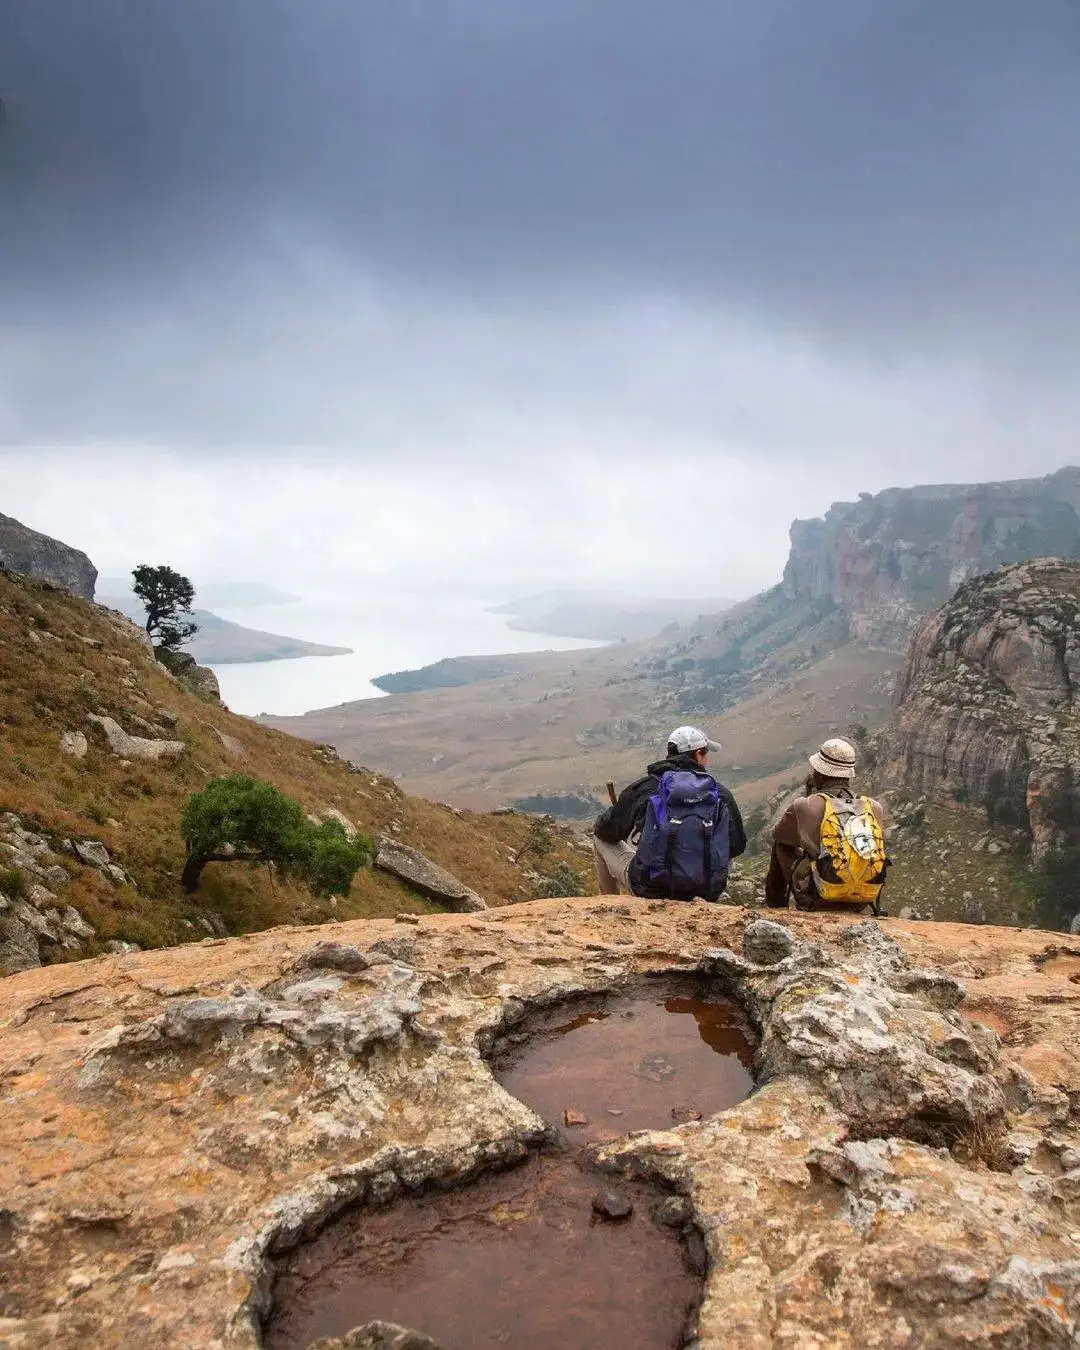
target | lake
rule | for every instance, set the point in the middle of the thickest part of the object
(387, 633)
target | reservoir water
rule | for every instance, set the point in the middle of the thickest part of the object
(387, 632)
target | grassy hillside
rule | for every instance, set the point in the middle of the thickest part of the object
(63, 659)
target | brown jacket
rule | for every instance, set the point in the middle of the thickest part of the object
(797, 837)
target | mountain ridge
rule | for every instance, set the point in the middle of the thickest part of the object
(855, 584)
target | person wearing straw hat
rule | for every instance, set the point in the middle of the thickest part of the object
(797, 842)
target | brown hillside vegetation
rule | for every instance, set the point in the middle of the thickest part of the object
(63, 660)
(494, 741)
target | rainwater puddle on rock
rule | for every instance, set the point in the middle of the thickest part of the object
(522, 1259)
(516, 1261)
(646, 1060)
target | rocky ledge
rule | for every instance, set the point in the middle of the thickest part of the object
(38, 555)
(907, 1172)
(987, 708)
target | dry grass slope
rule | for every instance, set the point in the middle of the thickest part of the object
(63, 659)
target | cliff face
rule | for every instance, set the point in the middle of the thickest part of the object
(36, 555)
(886, 560)
(988, 707)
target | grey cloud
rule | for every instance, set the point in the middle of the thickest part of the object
(843, 164)
(781, 252)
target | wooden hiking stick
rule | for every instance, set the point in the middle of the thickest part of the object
(613, 796)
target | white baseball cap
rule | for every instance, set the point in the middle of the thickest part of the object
(688, 739)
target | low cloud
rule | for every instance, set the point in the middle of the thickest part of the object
(478, 296)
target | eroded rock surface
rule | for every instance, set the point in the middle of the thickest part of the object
(35, 921)
(987, 706)
(37, 555)
(907, 1174)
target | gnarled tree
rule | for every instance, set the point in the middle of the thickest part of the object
(167, 597)
(238, 818)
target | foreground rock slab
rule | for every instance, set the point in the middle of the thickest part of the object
(907, 1173)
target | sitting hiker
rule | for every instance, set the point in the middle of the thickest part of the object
(672, 833)
(829, 845)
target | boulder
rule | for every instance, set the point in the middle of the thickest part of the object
(92, 852)
(75, 744)
(200, 680)
(332, 813)
(135, 747)
(433, 882)
(37, 555)
(767, 943)
(228, 743)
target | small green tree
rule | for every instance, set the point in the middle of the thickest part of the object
(240, 819)
(539, 841)
(167, 596)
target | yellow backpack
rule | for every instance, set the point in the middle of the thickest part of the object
(851, 865)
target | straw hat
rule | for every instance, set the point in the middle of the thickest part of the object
(835, 759)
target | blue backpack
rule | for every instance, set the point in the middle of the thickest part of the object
(685, 847)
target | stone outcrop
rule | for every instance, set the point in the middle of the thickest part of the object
(135, 747)
(906, 1174)
(887, 559)
(37, 555)
(987, 708)
(182, 666)
(432, 882)
(35, 922)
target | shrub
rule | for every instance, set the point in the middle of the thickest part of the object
(539, 841)
(12, 883)
(562, 880)
(329, 859)
(1056, 887)
(95, 811)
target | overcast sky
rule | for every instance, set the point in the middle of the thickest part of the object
(491, 295)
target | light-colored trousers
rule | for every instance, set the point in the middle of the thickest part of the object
(613, 866)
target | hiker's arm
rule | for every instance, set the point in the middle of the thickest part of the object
(736, 828)
(786, 832)
(776, 882)
(617, 821)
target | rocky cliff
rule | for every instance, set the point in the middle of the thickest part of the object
(906, 1173)
(988, 706)
(887, 559)
(36, 555)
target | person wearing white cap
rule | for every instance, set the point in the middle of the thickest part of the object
(617, 829)
(797, 834)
